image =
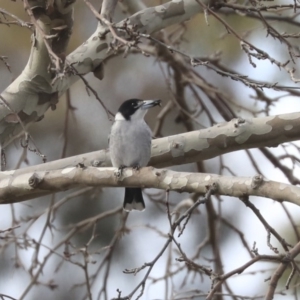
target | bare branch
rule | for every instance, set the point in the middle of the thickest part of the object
(16, 188)
(108, 8)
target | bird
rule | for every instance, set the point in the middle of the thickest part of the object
(130, 144)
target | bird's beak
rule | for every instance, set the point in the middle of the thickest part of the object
(150, 103)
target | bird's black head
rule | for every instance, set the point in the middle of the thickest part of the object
(136, 108)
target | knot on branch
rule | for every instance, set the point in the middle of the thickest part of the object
(81, 165)
(257, 181)
(286, 259)
(212, 189)
(96, 163)
(34, 180)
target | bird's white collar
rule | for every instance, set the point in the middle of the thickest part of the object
(119, 117)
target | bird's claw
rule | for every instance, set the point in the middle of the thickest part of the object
(119, 173)
(136, 167)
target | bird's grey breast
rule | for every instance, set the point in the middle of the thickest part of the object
(130, 143)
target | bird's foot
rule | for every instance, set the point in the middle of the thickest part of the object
(119, 173)
(136, 167)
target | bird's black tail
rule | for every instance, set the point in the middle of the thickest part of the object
(133, 199)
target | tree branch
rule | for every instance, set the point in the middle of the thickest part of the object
(108, 8)
(16, 188)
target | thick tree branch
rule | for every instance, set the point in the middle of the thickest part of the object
(16, 188)
(132, 6)
(108, 8)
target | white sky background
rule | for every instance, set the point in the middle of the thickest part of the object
(142, 243)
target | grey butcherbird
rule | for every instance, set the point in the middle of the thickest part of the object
(130, 144)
